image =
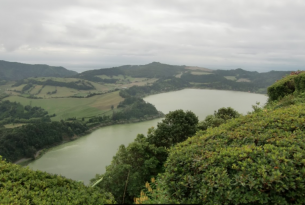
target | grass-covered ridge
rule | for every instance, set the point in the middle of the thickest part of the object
(253, 159)
(23, 186)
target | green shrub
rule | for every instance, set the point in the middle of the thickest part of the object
(20, 185)
(300, 83)
(281, 88)
(254, 159)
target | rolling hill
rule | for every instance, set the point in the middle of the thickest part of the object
(18, 71)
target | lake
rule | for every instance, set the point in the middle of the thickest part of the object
(83, 158)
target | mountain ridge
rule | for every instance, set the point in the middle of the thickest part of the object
(18, 71)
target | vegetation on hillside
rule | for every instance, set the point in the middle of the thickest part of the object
(78, 85)
(252, 159)
(12, 112)
(135, 108)
(26, 140)
(23, 186)
(144, 158)
(161, 85)
(18, 71)
(152, 70)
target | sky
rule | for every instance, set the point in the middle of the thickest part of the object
(255, 35)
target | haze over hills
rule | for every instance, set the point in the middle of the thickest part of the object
(18, 71)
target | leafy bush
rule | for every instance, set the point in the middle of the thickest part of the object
(300, 82)
(24, 186)
(282, 88)
(256, 159)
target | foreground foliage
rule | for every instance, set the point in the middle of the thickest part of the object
(253, 159)
(142, 159)
(24, 186)
(258, 158)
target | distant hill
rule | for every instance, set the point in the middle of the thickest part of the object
(199, 77)
(151, 70)
(18, 71)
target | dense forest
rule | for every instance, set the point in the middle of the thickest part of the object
(26, 140)
(12, 112)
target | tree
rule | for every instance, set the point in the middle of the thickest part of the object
(219, 117)
(132, 166)
(176, 127)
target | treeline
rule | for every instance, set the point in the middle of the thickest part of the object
(26, 140)
(78, 85)
(13, 112)
(215, 81)
(97, 79)
(161, 85)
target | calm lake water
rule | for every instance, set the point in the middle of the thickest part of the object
(83, 158)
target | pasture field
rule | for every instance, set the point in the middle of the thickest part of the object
(179, 75)
(100, 87)
(14, 125)
(18, 88)
(45, 90)
(230, 78)
(36, 89)
(4, 87)
(200, 73)
(73, 107)
(243, 80)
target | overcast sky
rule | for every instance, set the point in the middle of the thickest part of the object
(257, 35)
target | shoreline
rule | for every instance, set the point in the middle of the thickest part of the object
(41, 152)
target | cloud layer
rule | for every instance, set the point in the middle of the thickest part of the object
(220, 34)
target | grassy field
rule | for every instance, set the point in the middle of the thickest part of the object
(200, 73)
(74, 107)
(61, 103)
(230, 78)
(36, 89)
(243, 80)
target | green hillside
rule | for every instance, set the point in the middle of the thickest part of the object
(252, 159)
(237, 79)
(18, 71)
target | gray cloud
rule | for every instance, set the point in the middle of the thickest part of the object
(220, 34)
